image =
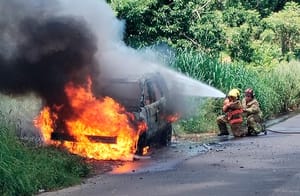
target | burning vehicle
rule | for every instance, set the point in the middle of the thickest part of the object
(145, 101)
(59, 58)
(131, 116)
(146, 97)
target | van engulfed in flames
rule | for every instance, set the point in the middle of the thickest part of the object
(98, 128)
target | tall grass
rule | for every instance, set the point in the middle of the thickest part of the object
(26, 169)
(286, 83)
(277, 89)
(21, 110)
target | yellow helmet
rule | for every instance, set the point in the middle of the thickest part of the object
(234, 93)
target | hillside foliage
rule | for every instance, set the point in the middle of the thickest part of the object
(257, 32)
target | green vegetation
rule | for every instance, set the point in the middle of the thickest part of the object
(257, 32)
(277, 88)
(25, 169)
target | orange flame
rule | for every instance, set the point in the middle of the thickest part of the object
(94, 117)
(145, 150)
(173, 118)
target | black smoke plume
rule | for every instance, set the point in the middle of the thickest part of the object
(53, 52)
(41, 53)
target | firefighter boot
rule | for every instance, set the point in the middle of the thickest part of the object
(223, 129)
(251, 132)
(258, 128)
(264, 129)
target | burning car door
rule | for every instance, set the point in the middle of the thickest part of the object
(151, 108)
(154, 113)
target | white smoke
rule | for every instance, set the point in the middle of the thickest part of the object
(116, 58)
(100, 18)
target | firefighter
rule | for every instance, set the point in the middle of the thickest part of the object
(233, 110)
(252, 113)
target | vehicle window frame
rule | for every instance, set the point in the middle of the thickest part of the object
(151, 91)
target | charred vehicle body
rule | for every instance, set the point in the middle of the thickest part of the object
(146, 97)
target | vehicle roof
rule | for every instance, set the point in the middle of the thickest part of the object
(128, 90)
(131, 77)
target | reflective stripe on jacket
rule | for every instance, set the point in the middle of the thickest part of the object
(235, 116)
(234, 113)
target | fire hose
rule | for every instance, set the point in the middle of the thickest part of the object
(283, 132)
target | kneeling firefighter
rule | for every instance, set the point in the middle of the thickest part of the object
(253, 113)
(233, 110)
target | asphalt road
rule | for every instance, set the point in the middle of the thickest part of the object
(263, 165)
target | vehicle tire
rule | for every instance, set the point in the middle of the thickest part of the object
(166, 135)
(142, 143)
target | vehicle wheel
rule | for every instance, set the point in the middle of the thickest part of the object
(166, 135)
(142, 143)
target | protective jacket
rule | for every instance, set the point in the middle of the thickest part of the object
(252, 108)
(234, 112)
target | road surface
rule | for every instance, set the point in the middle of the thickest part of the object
(263, 165)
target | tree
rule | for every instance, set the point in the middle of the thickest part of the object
(240, 46)
(264, 7)
(286, 25)
(209, 32)
(242, 27)
(180, 23)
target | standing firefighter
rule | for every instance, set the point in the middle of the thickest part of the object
(252, 112)
(233, 110)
